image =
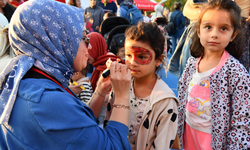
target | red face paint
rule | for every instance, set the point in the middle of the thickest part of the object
(138, 54)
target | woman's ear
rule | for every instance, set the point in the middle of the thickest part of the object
(234, 35)
(159, 60)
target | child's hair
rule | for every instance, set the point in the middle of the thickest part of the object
(161, 21)
(84, 71)
(235, 48)
(148, 33)
(109, 14)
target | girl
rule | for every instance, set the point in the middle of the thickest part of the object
(214, 87)
(37, 110)
(153, 105)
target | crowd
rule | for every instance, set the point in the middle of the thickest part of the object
(48, 101)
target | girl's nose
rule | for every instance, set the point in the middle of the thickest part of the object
(215, 33)
(132, 61)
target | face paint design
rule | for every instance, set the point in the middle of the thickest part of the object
(138, 54)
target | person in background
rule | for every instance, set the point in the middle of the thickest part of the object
(215, 86)
(116, 39)
(145, 17)
(37, 110)
(179, 22)
(166, 13)
(16, 3)
(108, 6)
(98, 56)
(245, 14)
(6, 52)
(158, 12)
(182, 52)
(93, 16)
(161, 21)
(76, 3)
(81, 79)
(153, 105)
(7, 9)
(107, 15)
(124, 6)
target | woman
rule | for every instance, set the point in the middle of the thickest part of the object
(37, 109)
(93, 16)
(76, 3)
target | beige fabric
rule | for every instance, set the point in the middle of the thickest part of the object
(245, 7)
(161, 129)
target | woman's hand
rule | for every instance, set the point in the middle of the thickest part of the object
(75, 88)
(120, 78)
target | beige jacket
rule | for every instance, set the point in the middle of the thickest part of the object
(159, 123)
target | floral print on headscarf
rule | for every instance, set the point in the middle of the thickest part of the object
(43, 32)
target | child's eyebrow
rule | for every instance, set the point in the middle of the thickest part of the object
(209, 23)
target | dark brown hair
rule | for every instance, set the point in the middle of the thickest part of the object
(72, 2)
(148, 33)
(235, 48)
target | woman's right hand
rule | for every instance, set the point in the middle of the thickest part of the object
(120, 78)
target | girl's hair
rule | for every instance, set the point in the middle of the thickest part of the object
(235, 48)
(148, 33)
(72, 2)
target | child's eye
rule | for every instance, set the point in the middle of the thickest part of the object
(223, 29)
(142, 57)
(207, 27)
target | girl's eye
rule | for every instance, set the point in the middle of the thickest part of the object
(207, 27)
(142, 57)
(223, 29)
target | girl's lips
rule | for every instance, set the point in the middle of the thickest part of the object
(134, 70)
(213, 43)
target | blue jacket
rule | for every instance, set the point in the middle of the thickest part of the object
(179, 22)
(45, 116)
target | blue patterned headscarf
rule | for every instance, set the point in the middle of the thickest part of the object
(44, 33)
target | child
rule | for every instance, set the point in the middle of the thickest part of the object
(80, 78)
(153, 105)
(214, 87)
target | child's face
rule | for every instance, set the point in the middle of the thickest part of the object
(75, 77)
(121, 52)
(216, 31)
(140, 58)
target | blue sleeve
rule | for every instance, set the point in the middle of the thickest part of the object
(120, 12)
(70, 121)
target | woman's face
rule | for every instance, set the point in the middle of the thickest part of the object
(92, 3)
(80, 61)
(78, 3)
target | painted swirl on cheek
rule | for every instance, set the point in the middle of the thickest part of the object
(141, 55)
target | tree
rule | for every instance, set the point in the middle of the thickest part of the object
(169, 4)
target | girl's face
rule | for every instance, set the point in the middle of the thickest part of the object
(78, 3)
(216, 31)
(92, 3)
(140, 58)
(80, 61)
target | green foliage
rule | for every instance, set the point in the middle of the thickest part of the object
(169, 4)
